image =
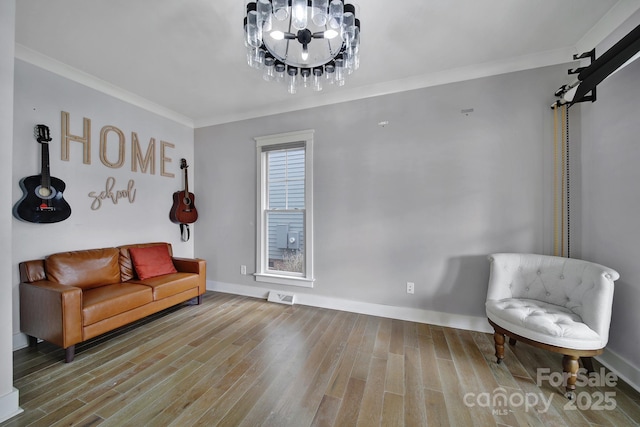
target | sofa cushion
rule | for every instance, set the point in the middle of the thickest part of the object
(170, 284)
(108, 301)
(152, 261)
(127, 271)
(85, 269)
(543, 322)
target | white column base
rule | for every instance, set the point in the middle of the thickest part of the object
(9, 405)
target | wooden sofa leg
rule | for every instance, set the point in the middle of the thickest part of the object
(33, 341)
(195, 300)
(69, 353)
(498, 338)
(570, 367)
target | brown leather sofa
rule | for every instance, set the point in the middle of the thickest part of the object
(70, 297)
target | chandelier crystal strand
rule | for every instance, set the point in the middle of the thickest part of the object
(299, 14)
(336, 10)
(319, 10)
(265, 13)
(280, 9)
(303, 43)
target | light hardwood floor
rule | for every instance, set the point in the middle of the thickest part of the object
(238, 361)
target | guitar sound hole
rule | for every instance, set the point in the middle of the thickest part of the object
(187, 201)
(45, 192)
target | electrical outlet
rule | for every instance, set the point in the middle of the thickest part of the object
(410, 287)
(243, 270)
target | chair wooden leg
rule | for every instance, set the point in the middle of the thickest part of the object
(498, 338)
(570, 367)
(587, 362)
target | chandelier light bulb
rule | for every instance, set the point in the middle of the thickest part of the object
(303, 43)
(330, 34)
(277, 35)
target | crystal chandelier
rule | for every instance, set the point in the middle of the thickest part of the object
(302, 42)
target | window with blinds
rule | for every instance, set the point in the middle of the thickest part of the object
(284, 233)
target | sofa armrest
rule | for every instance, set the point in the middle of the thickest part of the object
(190, 265)
(501, 270)
(193, 265)
(52, 312)
(597, 303)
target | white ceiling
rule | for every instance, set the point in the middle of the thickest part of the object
(185, 59)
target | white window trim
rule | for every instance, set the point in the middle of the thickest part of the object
(262, 273)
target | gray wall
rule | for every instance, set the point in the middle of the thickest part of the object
(423, 199)
(40, 96)
(610, 230)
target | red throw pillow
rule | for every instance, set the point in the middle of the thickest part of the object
(152, 261)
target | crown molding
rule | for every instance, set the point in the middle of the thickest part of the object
(598, 33)
(609, 23)
(346, 94)
(32, 57)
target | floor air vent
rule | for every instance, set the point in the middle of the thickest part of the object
(281, 297)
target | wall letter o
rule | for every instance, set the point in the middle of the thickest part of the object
(103, 146)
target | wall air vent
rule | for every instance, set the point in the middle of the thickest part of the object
(281, 297)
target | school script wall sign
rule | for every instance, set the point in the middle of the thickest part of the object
(114, 154)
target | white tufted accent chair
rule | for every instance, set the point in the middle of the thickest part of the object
(559, 304)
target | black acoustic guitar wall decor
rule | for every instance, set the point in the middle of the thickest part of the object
(42, 201)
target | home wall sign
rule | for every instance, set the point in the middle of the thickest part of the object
(141, 160)
(109, 193)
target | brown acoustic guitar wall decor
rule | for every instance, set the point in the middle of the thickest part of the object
(184, 209)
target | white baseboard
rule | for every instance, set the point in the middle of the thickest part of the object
(618, 365)
(20, 340)
(621, 367)
(9, 405)
(458, 321)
